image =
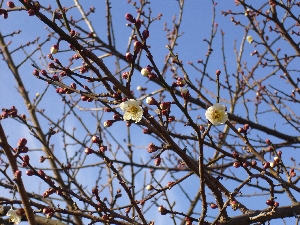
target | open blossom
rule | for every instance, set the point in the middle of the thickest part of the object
(249, 39)
(216, 114)
(132, 110)
(13, 216)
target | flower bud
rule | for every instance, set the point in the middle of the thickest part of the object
(125, 75)
(129, 57)
(162, 210)
(129, 17)
(145, 34)
(213, 206)
(151, 101)
(268, 142)
(103, 148)
(218, 72)
(157, 161)
(88, 151)
(137, 46)
(149, 187)
(30, 172)
(36, 6)
(152, 76)
(138, 24)
(108, 123)
(22, 142)
(152, 148)
(18, 174)
(10, 4)
(54, 49)
(31, 12)
(236, 164)
(235, 154)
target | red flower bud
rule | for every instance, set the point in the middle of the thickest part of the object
(218, 72)
(213, 206)
(35, 72)
(145, 34)
(138, 24)
(268, 142)
(43, 72)
(157, 161)
(30, 172)
(88, 151)
(10, 4)
(129, 17)
(129, 57)
(137, 46)
(22, 142)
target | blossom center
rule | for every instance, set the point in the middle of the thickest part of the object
(133, 110)
(216, 114)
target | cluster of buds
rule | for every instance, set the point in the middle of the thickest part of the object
(165, 108)
(48, 212)
(25, 159)
(22, 148)
(136, 22)
(271, 202)
(185, 94)
(244, 129)
(34, 7)
(83, 69)
(12, 112)
(86, 98)
(180, 82)
(125, 75)
(49, 192)
(152, 148)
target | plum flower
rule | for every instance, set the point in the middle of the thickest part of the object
(250, 39)
(14, 216)
(132, 110)
(216, 114)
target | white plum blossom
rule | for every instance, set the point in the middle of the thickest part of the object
(132, 110)
(216, 114)
(249, 39)
(13, 216)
